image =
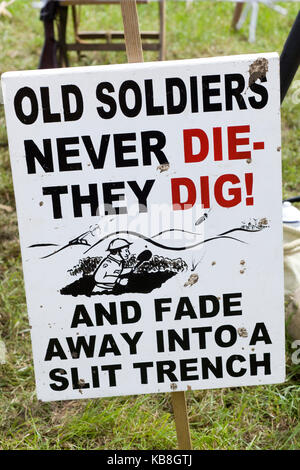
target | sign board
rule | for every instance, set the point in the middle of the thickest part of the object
(149, 208)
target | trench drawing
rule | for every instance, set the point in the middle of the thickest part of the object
(120, 270)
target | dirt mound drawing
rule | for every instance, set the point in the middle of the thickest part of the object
(145, 273)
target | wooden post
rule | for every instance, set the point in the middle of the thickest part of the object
(237, 14)
(135, 54)
(131, 31)
(181, 421)
(162, 27)
(63, 56)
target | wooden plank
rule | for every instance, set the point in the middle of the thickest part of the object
(132, 31)
(108, 46)
(181, 420)
(112, 35)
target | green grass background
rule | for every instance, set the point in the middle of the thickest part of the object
(264, 417)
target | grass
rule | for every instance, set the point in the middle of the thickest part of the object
(264, 417)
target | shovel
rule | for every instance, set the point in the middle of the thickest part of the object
(143, 256)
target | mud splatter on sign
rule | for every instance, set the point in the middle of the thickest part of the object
(258, 70)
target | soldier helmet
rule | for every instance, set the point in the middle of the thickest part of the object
(117, 244)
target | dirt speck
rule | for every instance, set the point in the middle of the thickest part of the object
(249, 160)
(81, 384)
(41, 203)
(191, 280)
(242, 262)
(263, 221)
(173, 386)
(258, 70)
(163, 167)
(278, 149)
(242, 332)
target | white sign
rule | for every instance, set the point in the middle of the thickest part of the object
(149, 208)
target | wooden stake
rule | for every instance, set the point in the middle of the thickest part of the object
(131, 31)
(237, 14)
(135, 54)
(181, 421)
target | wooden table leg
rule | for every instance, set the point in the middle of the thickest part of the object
(76, 28)
(237, 14)
(62, 31)
(162, 29)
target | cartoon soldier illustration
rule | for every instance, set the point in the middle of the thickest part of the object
(111, 271)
